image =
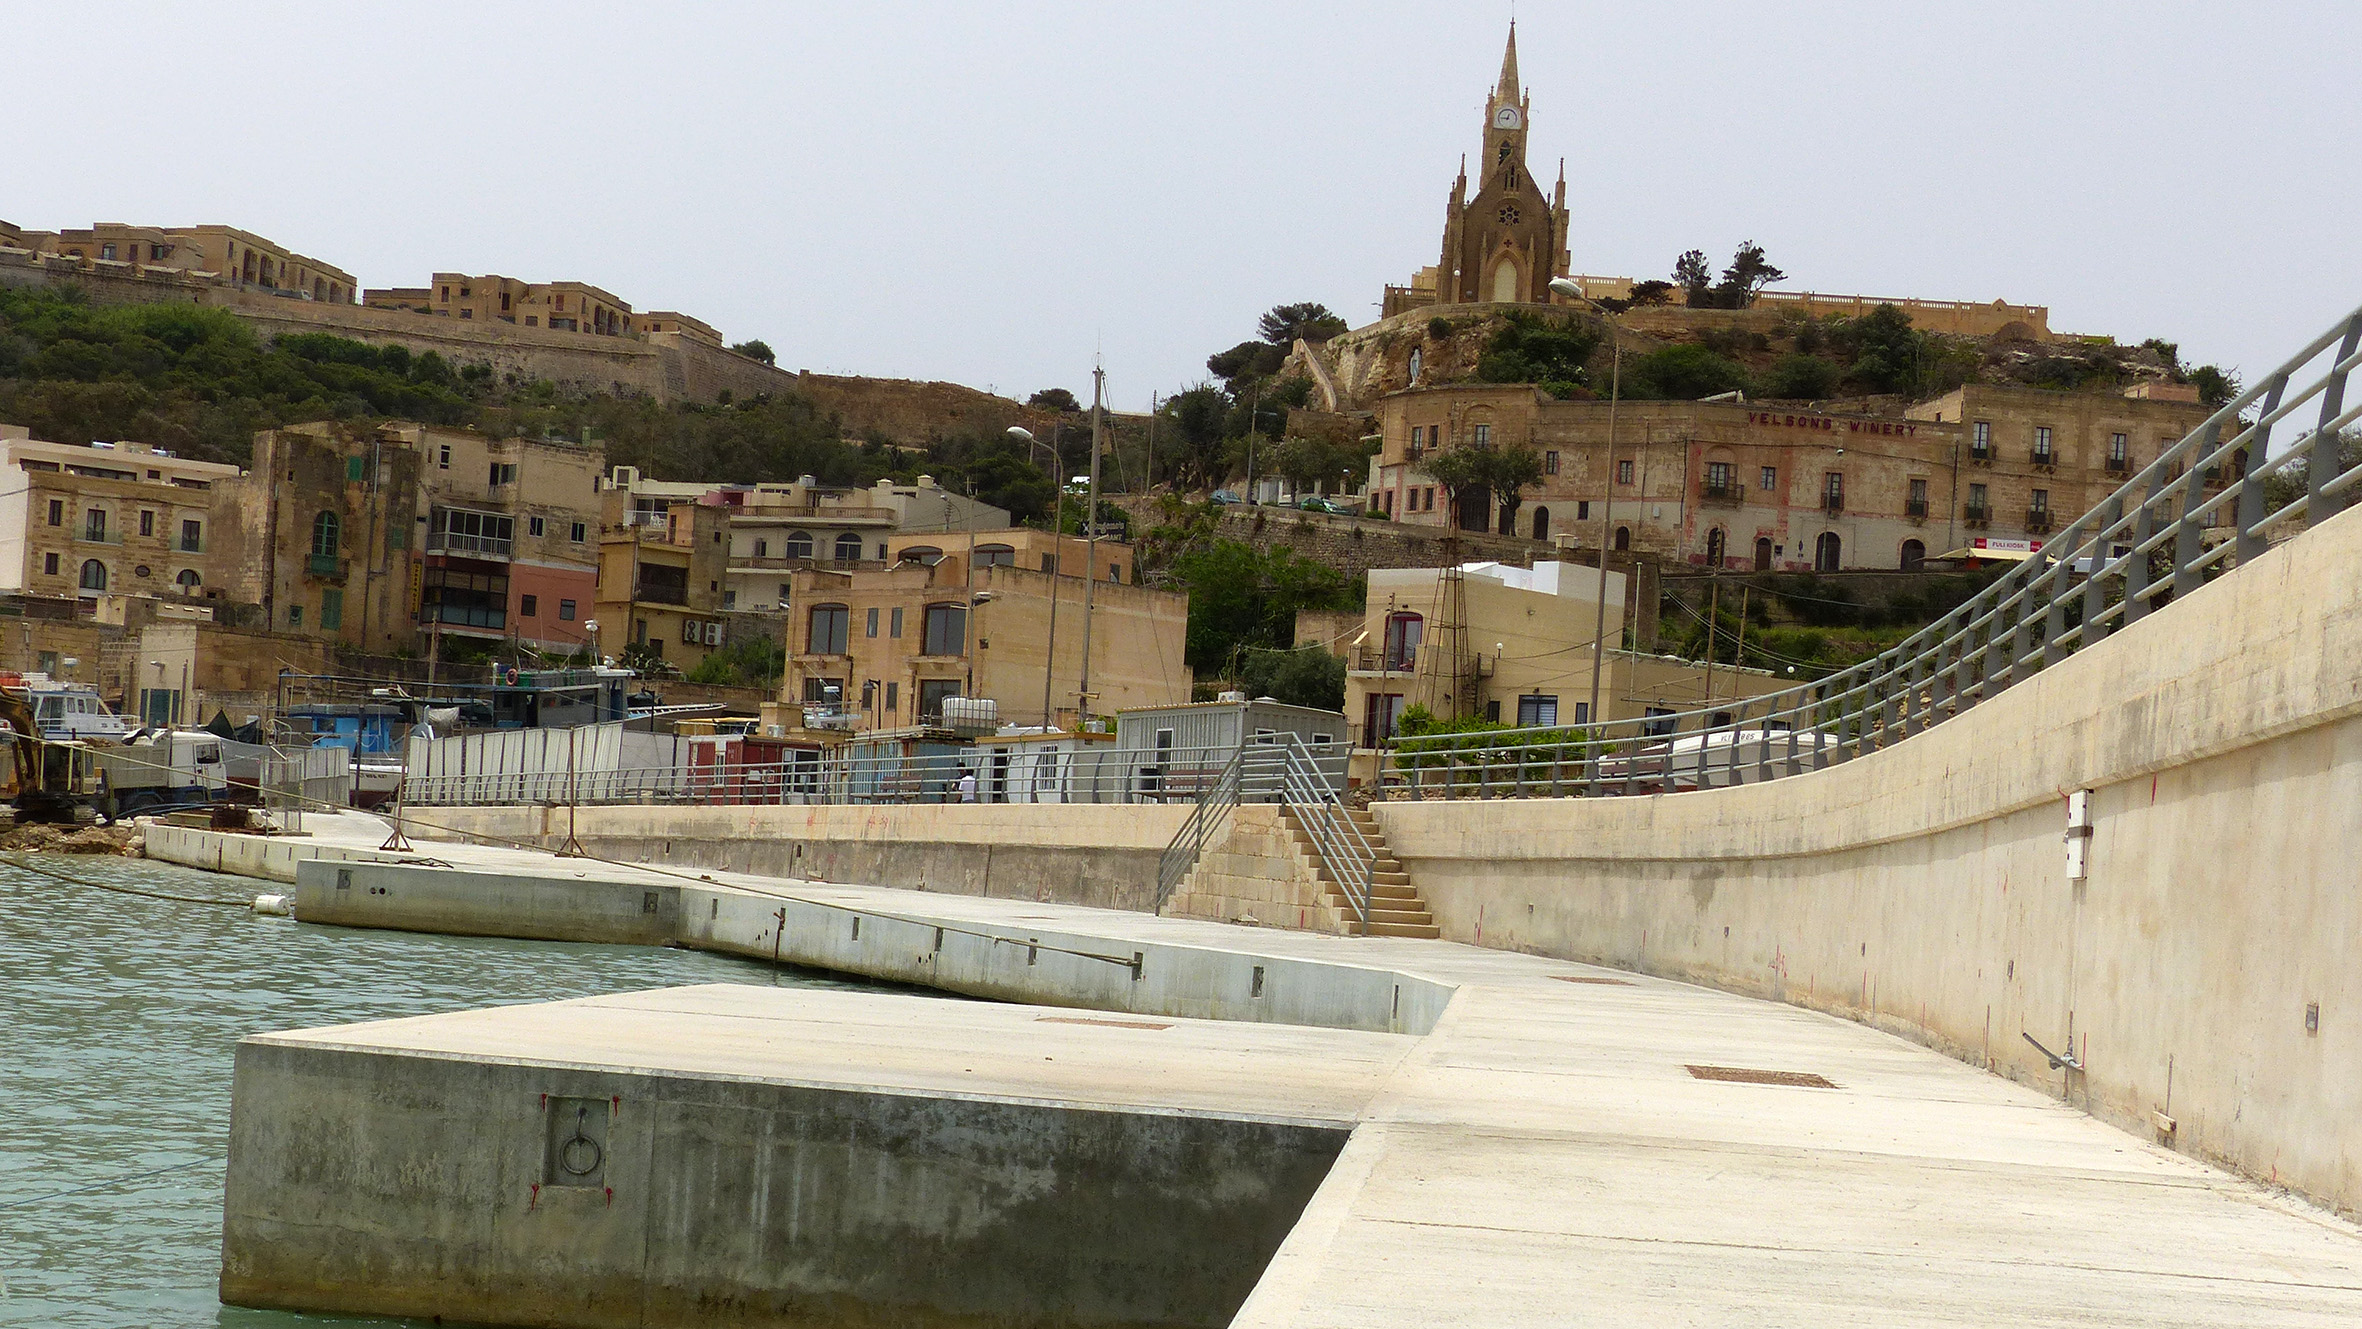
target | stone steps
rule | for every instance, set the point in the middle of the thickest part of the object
(1396, 907)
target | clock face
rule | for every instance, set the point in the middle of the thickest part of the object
(1505, 118)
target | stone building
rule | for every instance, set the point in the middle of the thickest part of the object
(888, 644)
(1509, 644)
(221, 254)
(1779, 485)
(660, 579)
(561, 306)
(1504, 244)
(94, 520)
(319, 533)
(510, 533)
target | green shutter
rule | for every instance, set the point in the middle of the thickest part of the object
(353, 469)
(331, 610)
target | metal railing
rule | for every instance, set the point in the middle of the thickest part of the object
(1309, 784)
(2159, 537)
(1002, 775)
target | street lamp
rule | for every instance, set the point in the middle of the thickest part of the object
(1573, 291)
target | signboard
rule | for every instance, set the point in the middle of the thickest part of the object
(2007, 546)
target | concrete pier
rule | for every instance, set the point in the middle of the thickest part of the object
(1560, 1145)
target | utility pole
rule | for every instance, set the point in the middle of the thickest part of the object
(1615, 394)
(1148, 484)
(1091, 536)
(1057, 568)
(1713, 616)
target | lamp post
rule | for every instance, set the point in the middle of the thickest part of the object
(1058, 548)
(1573, 291)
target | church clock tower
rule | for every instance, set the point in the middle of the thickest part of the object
(1504, 244)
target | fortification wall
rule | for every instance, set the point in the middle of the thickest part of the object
(2203, 973)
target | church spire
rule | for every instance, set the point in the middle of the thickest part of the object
(1508, 91)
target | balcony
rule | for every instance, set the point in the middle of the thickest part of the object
(2037, 521)
(471, 546)
(1982, 456)
(2046, 460)
(1832, 503)
(325, 565)
(1976, 514)
(98, 536)
(2119, 466)
(1915, 508)
(660, 594)
(187, 546)
(1728, 495)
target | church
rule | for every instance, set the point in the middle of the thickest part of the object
(1505, 244)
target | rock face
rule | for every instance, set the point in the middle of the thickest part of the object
(72, 840)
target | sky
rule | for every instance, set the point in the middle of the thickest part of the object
(1003, 195)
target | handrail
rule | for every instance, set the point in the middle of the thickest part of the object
(1315, 802)
(2160, 536)
(1212, 806)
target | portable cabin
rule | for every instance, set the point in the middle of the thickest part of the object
(1171, 751)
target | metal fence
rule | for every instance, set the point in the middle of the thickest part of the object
(1175, 775)
(2212, 500)
(1309, 782)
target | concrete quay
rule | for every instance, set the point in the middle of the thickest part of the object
(1550, 1143)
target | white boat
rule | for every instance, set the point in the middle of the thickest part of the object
(72, 711)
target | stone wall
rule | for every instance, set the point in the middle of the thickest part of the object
(2203, 973)
(1354, 545)
(1257, 873)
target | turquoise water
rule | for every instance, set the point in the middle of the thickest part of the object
(117, 1019)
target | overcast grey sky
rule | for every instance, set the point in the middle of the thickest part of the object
(995, 194)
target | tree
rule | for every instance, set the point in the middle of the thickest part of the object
(1684, 372)
(1317, 463)
(1505, 473)
(1305, 676)
(755, 350)
(2216, 386)
(1695, 276)
(1654, 292)
(1245, 364)
(1192, 442)
(1549, 351)
(1309, 321)
(1514, 469)
(1888, 353)
(1054, 399)
(1799, 377)
(1749, 272)
(1241, 596)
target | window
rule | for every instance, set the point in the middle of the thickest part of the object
(799, 545)
(57, 512)
(2119, 455)
(295, 616)
(1718, 479)
(1380, 712)
(1402, 639)
(894, 624)
(762, 549)
(1769, 480)
(580, 532)
(1918, 504)
(354, 469)
(504, 473)
(992, 556)
(48, 662)
(443, 454)
(932, 692)
(1535, 710)
(535, 526)
(1976, 500)
(331, 610)
(872, 624)
(848, 548)
(1583, 510)
(528, 606)
(106, 251)
(945, 630)
(2043, 456)
(783, 597)
(1659, 723)
(730, 598)
(1981, 443)
(94, 575)
(187, 579)
(2040, 502)
(1624, 471)
(829, 625)
(1484, 436)
(1833, 491)
(147, 522)
(893, 698)
(94, 524)
(824, 690)
(326, 535)
(1549, 463)
(49, 565)
(565, 611)
(192, 537)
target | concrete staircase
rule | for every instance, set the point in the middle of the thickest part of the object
(1396, 907)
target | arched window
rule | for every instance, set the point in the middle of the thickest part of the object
(1914, 554)
(1763, 553)
(989, 556)
(924, 555)
(1826, 552)
(1623, 537)
(327, 535)
(848, 548)
(1402, 639)
(1541, 523)
(946, 630)
(1505, 284)
(1716, 545)
(831, 627)
(188, 581)
(799, 544)
(94, 575)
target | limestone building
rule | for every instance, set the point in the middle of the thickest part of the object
(318, 532)
(562, 306)
(510, 530)
(89, 521)
(888, 644)
(1741, 485)
(222, 254)
(1504, 243)
(660, 579)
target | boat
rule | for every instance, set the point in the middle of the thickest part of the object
(67, 710)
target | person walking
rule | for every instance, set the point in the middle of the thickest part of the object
(967, 786)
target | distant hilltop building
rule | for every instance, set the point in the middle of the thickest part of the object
(560, 306)
(220, 255)
(1505, 244)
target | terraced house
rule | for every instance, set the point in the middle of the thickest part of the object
(92, 520)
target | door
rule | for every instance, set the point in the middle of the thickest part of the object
(1763, 553)
(1826, 552)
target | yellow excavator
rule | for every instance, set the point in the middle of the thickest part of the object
(45, 781)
